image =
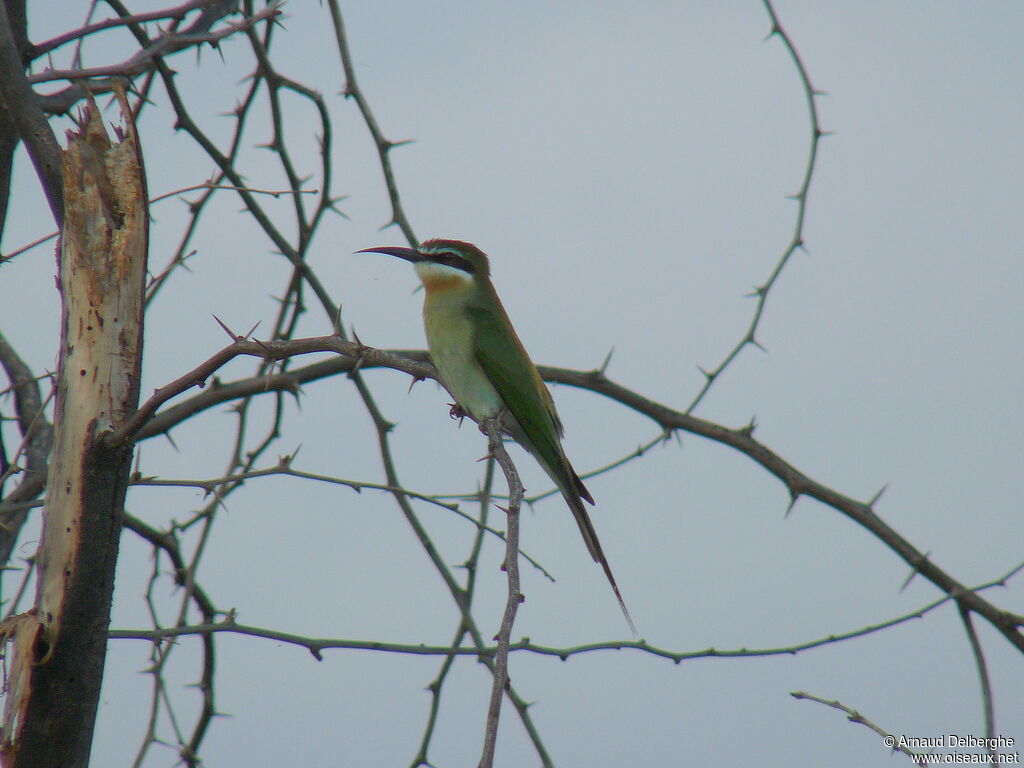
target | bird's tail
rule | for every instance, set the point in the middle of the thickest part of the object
(574, 498)
(558, 468)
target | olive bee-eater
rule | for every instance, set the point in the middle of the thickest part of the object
(483, 364)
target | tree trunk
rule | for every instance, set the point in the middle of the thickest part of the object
(55, 672)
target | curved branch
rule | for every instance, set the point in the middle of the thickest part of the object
(317, 645)
(384, 146)
(37, 435)
(987, 705)
(797, 483)
(492, 428)
(18, 100)
(797, 240)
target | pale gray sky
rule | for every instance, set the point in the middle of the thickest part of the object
(626, 166)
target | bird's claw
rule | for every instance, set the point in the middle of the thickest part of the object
(457, 412)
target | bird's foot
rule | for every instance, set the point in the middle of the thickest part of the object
(457, 412)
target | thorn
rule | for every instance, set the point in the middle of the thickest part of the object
(412, 383)
(387, 146)
(170, 440)
(793, 498)
(756, 343)
(607, 359)
(913, 573)
(227, 330)
(360, 347)
(330, 205)
(771, 33)
(266, 352)
(709, 375)
(877, 496)
(748, 430)
(294, 389)
(337, 321)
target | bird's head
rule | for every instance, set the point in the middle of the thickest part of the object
(442, 262)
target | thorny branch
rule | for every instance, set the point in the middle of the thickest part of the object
(856, 717)
(143, 60)
(741, 439)
(492, 428)
(317, 645)
(797, 241)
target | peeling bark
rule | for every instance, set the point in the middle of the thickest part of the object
(59, 647)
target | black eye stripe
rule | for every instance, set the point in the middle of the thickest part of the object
(450, 259)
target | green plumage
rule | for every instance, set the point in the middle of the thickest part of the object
(486, 369)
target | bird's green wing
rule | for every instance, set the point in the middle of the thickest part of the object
(514, 376)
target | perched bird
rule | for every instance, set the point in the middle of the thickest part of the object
(484, 366)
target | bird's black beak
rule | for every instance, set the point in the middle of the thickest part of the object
(409, 254)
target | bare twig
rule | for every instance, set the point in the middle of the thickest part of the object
(208, 185)
(179, 12)
(317, 645)
(285, 469)
(37, 436)
(985, 682)
(856, 717)
(761, 292)
(18, 101)
(492, 428)
(436, 685)
(384, 146)
(163, 46)
(797, 483)
(268, 350)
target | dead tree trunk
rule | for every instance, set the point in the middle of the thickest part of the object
(59, 646)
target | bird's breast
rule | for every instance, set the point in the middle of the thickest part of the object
(450, 338)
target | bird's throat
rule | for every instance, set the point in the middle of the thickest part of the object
(442, 278)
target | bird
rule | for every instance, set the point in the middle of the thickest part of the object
(484, 366)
